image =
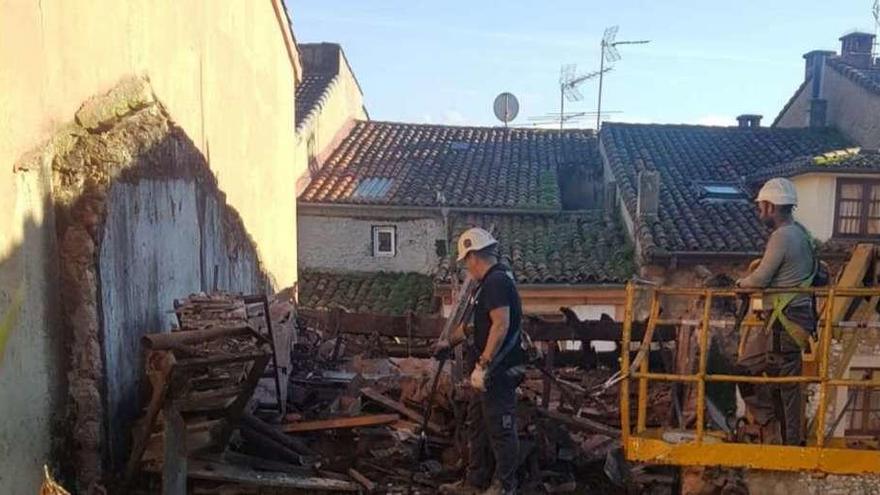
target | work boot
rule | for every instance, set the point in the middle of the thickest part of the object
(496, 489)
(462, 487)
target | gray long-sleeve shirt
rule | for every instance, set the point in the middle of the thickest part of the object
(787, 261)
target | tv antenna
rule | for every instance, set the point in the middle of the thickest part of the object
(568, 89)
(609, 51)
(506, 107)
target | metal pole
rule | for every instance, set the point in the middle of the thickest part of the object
(561, 104)
(701, 385)
(624, 364)
(642, 416)
(601, 77)
(824, 352)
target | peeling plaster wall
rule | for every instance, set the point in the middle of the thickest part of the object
(157, 233)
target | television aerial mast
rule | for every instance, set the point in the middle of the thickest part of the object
(609, 51)
(568, 87)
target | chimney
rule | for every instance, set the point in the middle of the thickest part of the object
(649, 195)
(818, 112)
(856, 48)
(814, 64)
(749, 121)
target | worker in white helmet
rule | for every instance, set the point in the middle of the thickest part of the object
(497, 355)
(789, 260)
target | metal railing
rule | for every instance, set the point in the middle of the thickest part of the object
(638, 369)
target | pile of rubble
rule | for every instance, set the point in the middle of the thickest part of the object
(339, 421)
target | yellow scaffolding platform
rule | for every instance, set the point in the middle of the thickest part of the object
(699, 447)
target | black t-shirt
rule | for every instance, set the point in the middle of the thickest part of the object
(498, 290)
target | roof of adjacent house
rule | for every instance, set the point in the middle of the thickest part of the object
(849, 161)
(392, 163)
(868, 78)
(564, 248)
(309, 94)
(361, 292)
(687, 159)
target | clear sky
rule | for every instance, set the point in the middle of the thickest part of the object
(708, 61)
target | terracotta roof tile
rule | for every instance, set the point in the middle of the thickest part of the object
(685, 156)
(469, 166)
(381, 293)
(568, 248)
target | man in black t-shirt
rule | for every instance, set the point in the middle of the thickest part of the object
(498, 359)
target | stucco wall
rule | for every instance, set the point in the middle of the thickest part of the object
(816, 193)
(221, 69)
(344, 244)
(852, 109)
(319, 135)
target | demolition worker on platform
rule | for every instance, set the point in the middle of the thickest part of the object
(789, 260)
(497, 356)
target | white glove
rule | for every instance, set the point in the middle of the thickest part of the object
(478, 379)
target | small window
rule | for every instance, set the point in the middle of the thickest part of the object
(720, 191)
(384, 241)
(857, 208)
(864, 404)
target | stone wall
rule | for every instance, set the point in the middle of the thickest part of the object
(345, 244)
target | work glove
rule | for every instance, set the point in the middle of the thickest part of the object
(478, 379)
(442, 349)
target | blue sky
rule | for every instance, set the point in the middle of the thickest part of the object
(708, 61)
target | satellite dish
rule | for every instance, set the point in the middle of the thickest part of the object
(506, 107)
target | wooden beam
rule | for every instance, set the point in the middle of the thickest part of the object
(167, 340)
(541, 330)
(266, 429)
(160, 365)
(174, 452)
(397, 407)
(215, 471)
(580, 423)
(368, 485)
(340, 423)
(233, 414)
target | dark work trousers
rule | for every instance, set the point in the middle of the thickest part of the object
(492, 438)
(783, 402)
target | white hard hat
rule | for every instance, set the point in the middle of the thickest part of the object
(779, 192)
(474, 239)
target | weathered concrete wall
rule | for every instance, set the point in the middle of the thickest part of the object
(798, 113)
(345, 244)
(167, 235)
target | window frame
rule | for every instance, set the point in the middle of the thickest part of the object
(865, 394)
(865, 202)
(380, 229)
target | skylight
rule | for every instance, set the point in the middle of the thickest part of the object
(373, 188)
(722, 191)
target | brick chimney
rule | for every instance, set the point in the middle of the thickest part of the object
(856, 48)
(749, 120)
(649, 195)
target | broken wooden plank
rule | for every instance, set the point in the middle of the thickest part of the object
(340, 423)
(368, 485)
(397, 407)
(160, 365)
(268, 445)
(174, 453)
(580, 423)
(235, 410)
(221, 360)
(215, 471)
(167, 340)
(292, 443)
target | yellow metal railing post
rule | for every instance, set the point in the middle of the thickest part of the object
(643, 367)
(824, 351)
(624, 363)
(701, 374)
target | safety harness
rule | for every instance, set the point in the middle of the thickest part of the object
(781, 301)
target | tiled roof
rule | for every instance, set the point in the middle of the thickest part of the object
(867, 78)
(685, 156)
(381, 293)
(390, 163)
(309, 94)
(566, 248)
(844, 161)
